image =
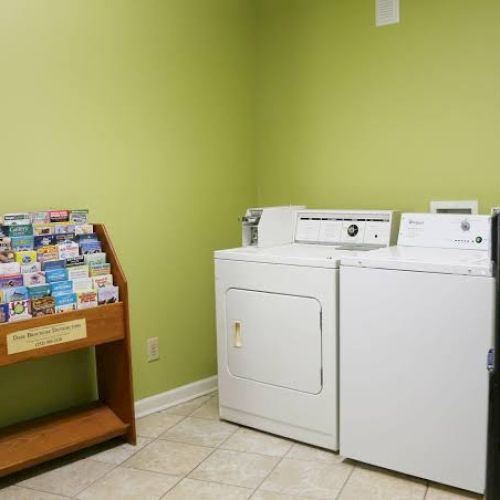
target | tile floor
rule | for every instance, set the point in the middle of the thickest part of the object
(186, 453)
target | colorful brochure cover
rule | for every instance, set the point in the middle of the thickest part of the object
(26, 257)
(5, 243)
(59, 215)
(108, 295)
(43, 306)
(15, 293)
(54, 275)
(80, 216)
(40, 217)
(90, 246)
(86, 300)
(53, 264)
(98, 258)
(64, 228)
(75, 261)
(10, 280)
(21, 230)
(44, 241)
(43, 229)
(31, 268)
(87, 237)
(50, 252)
(38, 291)
(99, 269)
(36, 278)
(65, 302)
(19, 310)
(83, 229)
(83, 284)
(16, 218)
(19, 243)
(78, 272)
(62, 287)
(68, 250)
(7, 256)
(63, 237)
(10, 268)
(4, 313)
(101, 281)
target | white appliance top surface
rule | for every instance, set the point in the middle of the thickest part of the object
(439, 260)
(294, 254)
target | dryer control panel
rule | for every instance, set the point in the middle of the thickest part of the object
(372, 229)
(459, 231)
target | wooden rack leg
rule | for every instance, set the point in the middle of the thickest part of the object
(114, 381)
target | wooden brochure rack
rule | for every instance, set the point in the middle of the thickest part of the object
(107, 329)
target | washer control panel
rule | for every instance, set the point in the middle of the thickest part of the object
(460, 231)
(345, 227)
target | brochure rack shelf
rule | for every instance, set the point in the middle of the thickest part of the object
(107, 329)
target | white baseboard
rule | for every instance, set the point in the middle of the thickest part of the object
(175, 396)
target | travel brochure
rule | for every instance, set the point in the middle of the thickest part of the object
(51, 262)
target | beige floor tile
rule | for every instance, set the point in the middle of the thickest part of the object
(438, 492)
(119, 453)
(168, 457)
(307, 478)
(153, 425)
(189, 407)
(372, 484)
(232, 467)
(189, 489)
(129, 484)
(200, 431)
(306, 452)
(209, 410)
(16, 493)
(252, 441)
(68, 479)
(270, 495)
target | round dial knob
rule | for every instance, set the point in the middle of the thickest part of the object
(465, 225)
(352, 230)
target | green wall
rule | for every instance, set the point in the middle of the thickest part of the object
(350, 115)
(142, 112)
(167, 118)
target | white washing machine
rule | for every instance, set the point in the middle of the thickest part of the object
(277, 324)
(416, 324)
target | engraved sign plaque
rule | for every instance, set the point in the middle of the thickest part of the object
(45, 336)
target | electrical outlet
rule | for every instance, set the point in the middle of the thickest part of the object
(153, 349)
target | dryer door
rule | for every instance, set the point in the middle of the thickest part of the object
(275, 339)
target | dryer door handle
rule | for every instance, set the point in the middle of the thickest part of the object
(237, 334)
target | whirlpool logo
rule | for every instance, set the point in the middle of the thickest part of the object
(416, 222)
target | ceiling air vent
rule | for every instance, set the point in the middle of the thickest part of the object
(387, 12)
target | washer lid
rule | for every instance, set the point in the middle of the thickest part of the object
(434, 260)
(295, 254)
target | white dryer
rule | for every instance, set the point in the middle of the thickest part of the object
(277, 324)
(416, 325)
